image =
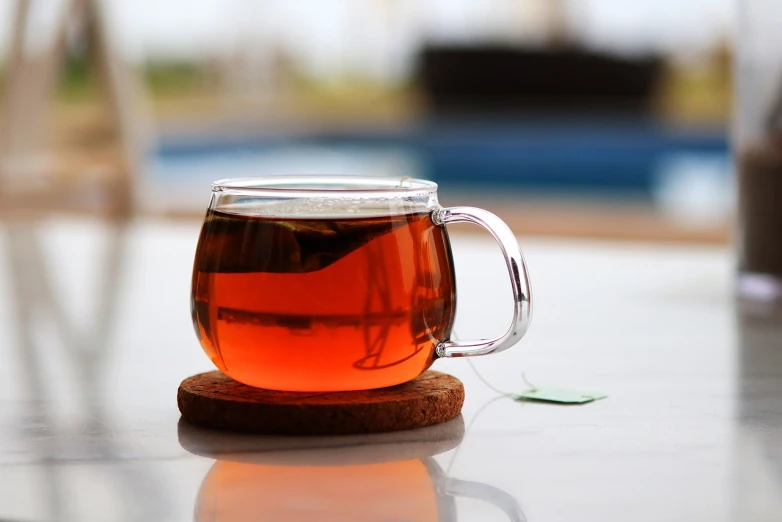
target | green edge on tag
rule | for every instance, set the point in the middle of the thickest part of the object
(559, 395)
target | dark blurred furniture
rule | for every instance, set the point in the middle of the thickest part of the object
(498, 80)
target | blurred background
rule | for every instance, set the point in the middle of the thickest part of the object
(588, 118)
(575, 119)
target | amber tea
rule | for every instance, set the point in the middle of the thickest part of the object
(306, 304)
(337, 283)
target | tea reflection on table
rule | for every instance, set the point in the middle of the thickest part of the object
(380, 477)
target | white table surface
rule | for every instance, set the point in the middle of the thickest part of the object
(691, 430)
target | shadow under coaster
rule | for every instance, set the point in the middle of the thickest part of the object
(216, 401)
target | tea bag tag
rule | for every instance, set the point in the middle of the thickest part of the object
(542, 394)
(559, 395)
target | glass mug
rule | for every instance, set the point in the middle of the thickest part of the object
(329, 283)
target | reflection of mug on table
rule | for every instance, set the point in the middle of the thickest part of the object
(336, 284)
(386, 477)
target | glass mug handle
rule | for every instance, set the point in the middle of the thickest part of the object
(486, 493)
(519, 278)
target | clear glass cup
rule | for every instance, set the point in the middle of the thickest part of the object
(757, 144)
(327, 283)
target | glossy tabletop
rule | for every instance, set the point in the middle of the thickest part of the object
(96, 336)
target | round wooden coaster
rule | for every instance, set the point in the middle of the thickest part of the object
(216, 401)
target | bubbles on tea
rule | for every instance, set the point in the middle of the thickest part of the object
(326, 208)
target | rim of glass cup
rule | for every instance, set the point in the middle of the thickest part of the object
(326, 185)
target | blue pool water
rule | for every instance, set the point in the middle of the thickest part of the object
(606, 157)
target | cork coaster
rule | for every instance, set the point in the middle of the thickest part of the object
(216, 401)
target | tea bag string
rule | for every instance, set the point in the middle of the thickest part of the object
(484, 380)
(501, 395)
(467, 431)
